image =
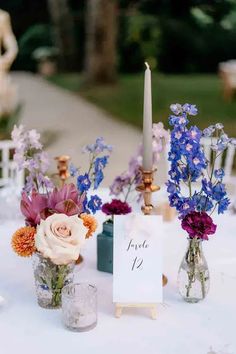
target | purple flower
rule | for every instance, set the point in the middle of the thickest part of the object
(94, 203)
(83, 183)
(119, 184)
(198, 225)
(116, 207)
(34, 138)
(29, 155)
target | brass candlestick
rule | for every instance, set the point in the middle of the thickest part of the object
(63, 167)
(147, 188)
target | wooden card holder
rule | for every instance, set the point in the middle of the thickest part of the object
(120, 306)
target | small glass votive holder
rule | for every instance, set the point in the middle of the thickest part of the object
(79, 307)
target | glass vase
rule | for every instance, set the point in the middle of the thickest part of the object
(49, 280)
(193, 276)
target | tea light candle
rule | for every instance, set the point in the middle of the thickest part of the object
(79, 307)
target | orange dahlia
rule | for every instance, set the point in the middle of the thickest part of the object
(90, 222)
(23, 241)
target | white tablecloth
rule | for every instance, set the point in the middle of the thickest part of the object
(181, 328)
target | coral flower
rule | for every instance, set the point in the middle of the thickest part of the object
(23, 242)
(90, 222)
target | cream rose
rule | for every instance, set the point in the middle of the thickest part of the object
(60, 238)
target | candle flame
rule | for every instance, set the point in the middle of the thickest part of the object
(148, 67)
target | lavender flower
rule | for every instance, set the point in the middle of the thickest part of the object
(30, 156)
(126, 183)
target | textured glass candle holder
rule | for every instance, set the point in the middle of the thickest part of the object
(79, 307)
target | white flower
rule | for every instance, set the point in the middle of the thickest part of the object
(60, 238)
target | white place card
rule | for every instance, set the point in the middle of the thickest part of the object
(137, 259)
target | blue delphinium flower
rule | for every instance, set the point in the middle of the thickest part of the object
(176, 108)
(94, 203)
(202, 203)
(191, 109)
(73, 170)
(100, 163)
(187, 206)
(206, 187)
(98, 147)
(219, 174)
(175, 201)
(223, 205)
(171, 187)
(83, 183)
(98, 178)
(188, 164)
(218, 192)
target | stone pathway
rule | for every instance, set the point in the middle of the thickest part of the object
(68, 122)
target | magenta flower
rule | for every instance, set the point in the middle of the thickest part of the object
(66, 200)
(32, 206)
(116, 207)
(199, 225)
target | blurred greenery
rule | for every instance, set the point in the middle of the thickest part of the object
(37, 36)
(124, 100)
(184, 36)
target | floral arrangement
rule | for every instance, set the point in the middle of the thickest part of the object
(126, 183)
(195, 187)
(189, 165)
(58, 220)
(116, 207)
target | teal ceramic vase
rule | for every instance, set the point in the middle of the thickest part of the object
(105, 248)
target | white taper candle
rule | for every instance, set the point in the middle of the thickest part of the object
(147, 121)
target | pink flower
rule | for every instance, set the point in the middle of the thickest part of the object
(198, 225)
(116, 207)
(66, 200)
(32, 206)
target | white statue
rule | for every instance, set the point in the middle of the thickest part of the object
(7, 41)
(8, 91)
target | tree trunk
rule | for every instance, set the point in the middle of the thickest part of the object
(101, 30)
(63, 25)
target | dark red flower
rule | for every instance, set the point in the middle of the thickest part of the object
(198, 225)
(116, 207)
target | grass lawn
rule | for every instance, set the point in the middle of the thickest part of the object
(124, 100)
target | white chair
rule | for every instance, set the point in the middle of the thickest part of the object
(9, 173)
